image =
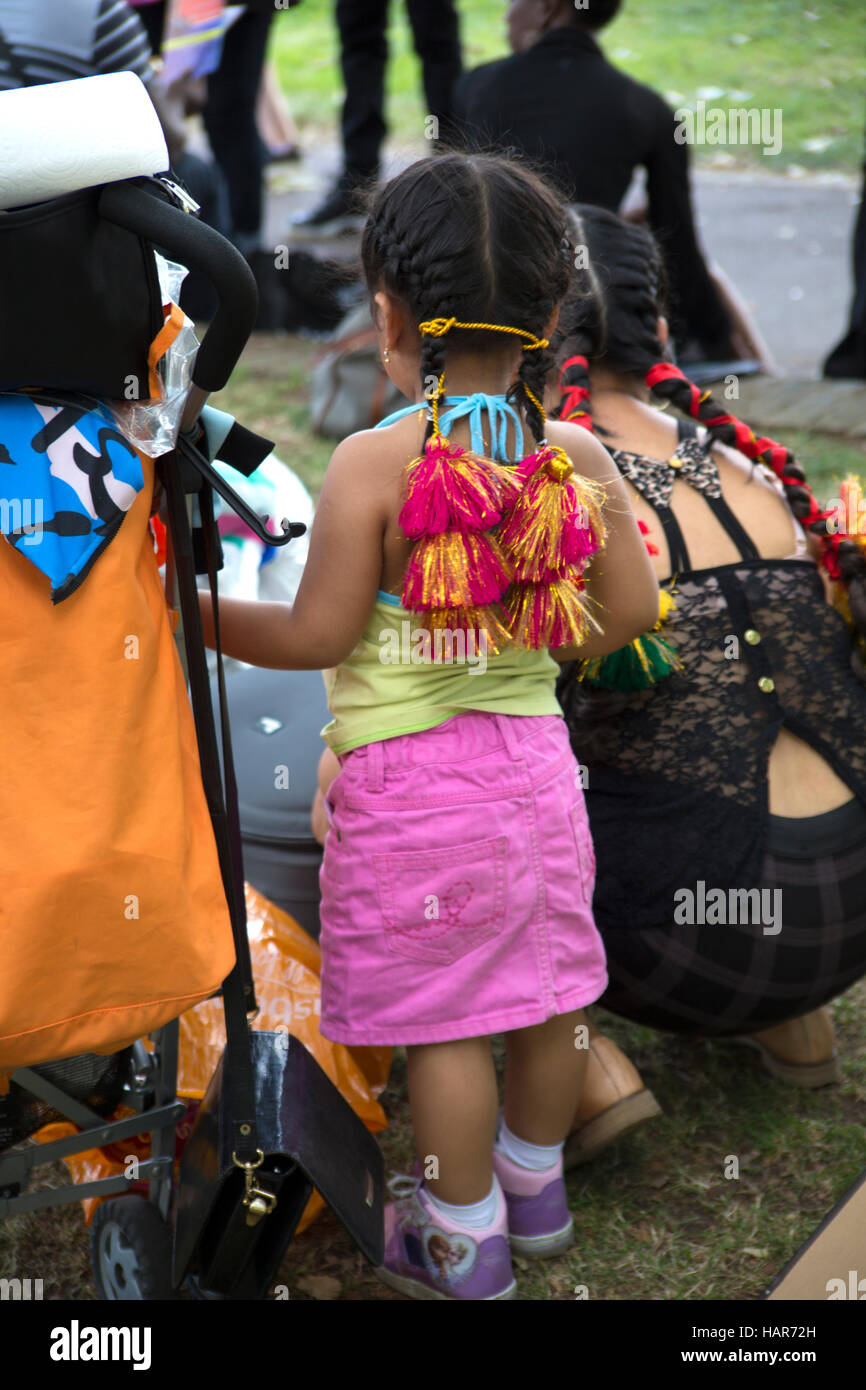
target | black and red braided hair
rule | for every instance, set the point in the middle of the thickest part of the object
(629, 272)
(580, 333)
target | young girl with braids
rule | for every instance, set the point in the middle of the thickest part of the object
(729, 741)
(466, 527)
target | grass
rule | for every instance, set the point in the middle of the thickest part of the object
(806, 59)
(656, 1219)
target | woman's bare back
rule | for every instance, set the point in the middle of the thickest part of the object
(800, 781)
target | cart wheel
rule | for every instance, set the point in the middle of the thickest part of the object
(130, 1250)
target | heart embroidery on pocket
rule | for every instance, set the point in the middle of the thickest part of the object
(439, 904)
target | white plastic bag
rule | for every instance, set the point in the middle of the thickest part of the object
(152, 425)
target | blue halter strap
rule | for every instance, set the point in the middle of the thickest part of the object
(499, 413)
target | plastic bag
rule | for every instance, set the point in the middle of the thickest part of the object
(286, 965)
(153, 425)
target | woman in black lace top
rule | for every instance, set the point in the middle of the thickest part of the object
(727, 798)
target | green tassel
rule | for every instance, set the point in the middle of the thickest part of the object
(643, 663)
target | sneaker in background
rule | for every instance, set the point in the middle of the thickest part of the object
(340, 213)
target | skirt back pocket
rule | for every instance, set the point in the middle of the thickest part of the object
(439, 904)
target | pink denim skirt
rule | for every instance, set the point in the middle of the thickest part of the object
(457, 884)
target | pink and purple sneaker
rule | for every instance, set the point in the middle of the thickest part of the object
(428, 1256)
(539, 1222)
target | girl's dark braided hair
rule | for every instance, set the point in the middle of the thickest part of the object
(478, 238)
(628, 268)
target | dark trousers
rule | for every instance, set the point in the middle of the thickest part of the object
(153, 19)
(364, 54)
(848, 358)
(230, 122)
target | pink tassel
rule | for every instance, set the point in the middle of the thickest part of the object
(452, 490)
(556, 522)
(455, 570)
(550, 614)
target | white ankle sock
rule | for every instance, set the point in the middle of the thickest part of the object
(535, 1157)
(476, 1216)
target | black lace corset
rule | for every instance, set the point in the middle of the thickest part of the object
(677, 773)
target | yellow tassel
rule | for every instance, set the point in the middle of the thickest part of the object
(554, 614)
(667, 605)
(533, 531)
(453, 570)
(480, 620)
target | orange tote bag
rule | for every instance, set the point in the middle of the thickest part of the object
(113, 918)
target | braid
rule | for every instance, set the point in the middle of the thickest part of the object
(531, 379)
(433, 353)
(843, 559)
(574, 405)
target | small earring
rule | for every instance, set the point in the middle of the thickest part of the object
(387, 355)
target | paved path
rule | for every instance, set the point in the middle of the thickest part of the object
(784, 242)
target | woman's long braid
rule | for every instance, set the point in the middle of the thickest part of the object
(843, 559)
(575, 406)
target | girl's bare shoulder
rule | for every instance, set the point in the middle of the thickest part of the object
(379, 452)
(373, 460)
(586, 453)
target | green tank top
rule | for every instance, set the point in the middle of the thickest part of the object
(391, 684)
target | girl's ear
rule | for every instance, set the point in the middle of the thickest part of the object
(663, 330)
(389, 317)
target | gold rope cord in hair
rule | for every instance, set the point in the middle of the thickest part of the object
(537, 403)
(437, 328)
(434, 405)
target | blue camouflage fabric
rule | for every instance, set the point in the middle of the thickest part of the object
(67, 479)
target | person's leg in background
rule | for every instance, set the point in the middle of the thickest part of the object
(153, 18)
(848, 358)
(206, 183)
(436, 33)
(362, 27)
(230, 122)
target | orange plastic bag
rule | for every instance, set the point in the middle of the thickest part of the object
(286, 965)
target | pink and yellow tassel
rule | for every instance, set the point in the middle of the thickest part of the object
(552, 532)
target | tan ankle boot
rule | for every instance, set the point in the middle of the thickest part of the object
(802, 1051)
(614, 1101)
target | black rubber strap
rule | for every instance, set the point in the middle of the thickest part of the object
(237, 988)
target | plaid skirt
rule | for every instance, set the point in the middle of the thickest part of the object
(721, 980)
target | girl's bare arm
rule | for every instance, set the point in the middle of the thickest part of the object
(621, 579)
(339, 582)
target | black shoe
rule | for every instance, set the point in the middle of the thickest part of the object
(340, 213)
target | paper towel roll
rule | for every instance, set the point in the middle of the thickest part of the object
(61, 136)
